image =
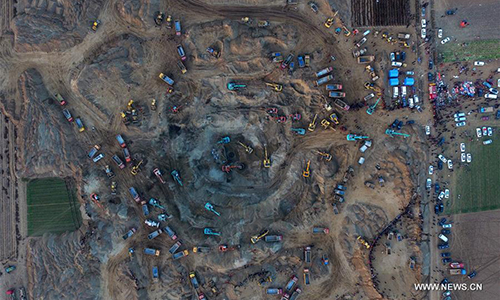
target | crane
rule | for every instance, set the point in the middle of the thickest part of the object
(371, 109)
(392, 133)
(266, 161)
(312, 125)
(353, 137)
(306, 172)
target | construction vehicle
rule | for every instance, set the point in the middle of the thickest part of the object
(153, 104)
(323, 80)
(341, 104)
(307, 277)
(372, 108)
(392, 133)
(131, 252)
(152, 251)
(152, 223)
(307, 60)
(274, 291)
(135, 169)
(266, 161)
(273, 238)
(180, 254)
(182, 67)
(254, 239)
(109, 172)
(95, 25)
(156, 203)
(246, 20)
(290, 285)
(336, 94)
(312, 125)
(113, 188)
(210, 207)
(158, 174)
(287, 61)
(334, 118)
(335, 208)
(458, 272)
(354, 137)
(121, 141)
(210, 231)
(126, 154)
(346, 31)
(276, 86)
(155, 273)
(194, 280)
(213, 52)
(225, 248)
(164, 216)
(159, 18)
(93, 151)
(167, 79)
(263, 23)
(224, 140)
(306, 172)
(307, 254)
(170, 233)
(365, 59)
(321, 230)
(168, 21)
(232, 86)
(129, 233)
(60, 99)
(201, 249)
(329, 22)
(324, 71)
(176, 177)
(334, 87)
(276, 57)
(325, 123)
(363, 242)
(300, 131)
(295, 294)
(154, 234)
(118, 161)
(134, 194)
(327, 156)
(248, 149)
(67, 115)
(178, 29)
(174, 247)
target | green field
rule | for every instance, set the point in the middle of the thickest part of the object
(52, 207)
(478, 184)
(475, 50)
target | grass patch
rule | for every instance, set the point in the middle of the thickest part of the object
(52, 207)
(479, 183)
(475, 50)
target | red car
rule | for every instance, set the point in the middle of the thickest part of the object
(456, 265)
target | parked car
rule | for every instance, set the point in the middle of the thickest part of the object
(485, 131)
(469, 157)
(447, 226)
(445, 254)
(428, 183)
(446, 193)
(487, 142)
(446, 40)
(431, 170)
(446, 260)
(490, 131)
(450, 164)
(445, 231)
(461, 124)
(478, 132)
(443, 246)
(440, 33)
(462, 147)
(427, 130)
(479, 63)
(462, 157)
(472, 274)
(314, 7)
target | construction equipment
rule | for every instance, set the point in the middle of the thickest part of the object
(276, 86)
(224, 140)
(254, 239)
(153, 104)
(246, 20)
(225, 248)
(263, 23)
(392, 133)
(248, 149)
(95, 198)
(327, 156)
(354, 137)
(341, 104)
(60, 99)
(306, 172)
(210, 231)
(266, 161)
(346, 31)
(325, 123)
(95, 25)
(312, 125)
(300, 131)
(232, 86)
(135, 169)
(210, 207)
(228, 168)
(155, 203)
(213, 52)
(176, 177)
(334, 118)
(363, 242)
(371, 108)
(113, 187)
(158, 174)
(159, 18)
(168, 22)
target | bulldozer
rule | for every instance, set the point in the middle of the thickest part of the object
(327, 156)
(153, 104)
(248, 149)
(276, 86)
(135, 169)
(306, 172)
(312, 125)
(266, 161)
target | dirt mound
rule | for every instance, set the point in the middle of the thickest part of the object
(138, 13)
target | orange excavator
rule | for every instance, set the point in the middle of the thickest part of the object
(228, 168)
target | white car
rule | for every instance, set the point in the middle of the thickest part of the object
(461, 124)
(440, 33)
(478, 132)
(490, 131)
(441, 196)
(446, 193)
(461, 119)
(462, 147)
(428, 183)
(424, 23)
(393, 56)
(442, 158)
(431, 170)
(446, 40)
(98, 157)
(459, 115)
(487, 142)
(462, 157)
(427, 130)
(450, 164)
(469, 157)
(498, 83)
(423, 33)
(479, 63)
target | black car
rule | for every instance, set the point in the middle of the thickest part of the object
(400, 124)
(395, 123)
(403, 56)
(436, 188)
(430, 77)
(442, 221)
(444, 281)
(445, 231)
(446, 260)
(441, 207)
(431, 64)
(440, 165)
(445, 254)
(472, 275)
(436, 209)
(443, 246)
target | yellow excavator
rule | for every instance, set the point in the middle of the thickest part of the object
(247, 148)
(254, 239)
(153, 104)
(135, 169)
(95, 25)
(327, 156)
(267, 161)
(306, 172)
(276, 86)
(363, 242)
(312, 125)
(325, 123)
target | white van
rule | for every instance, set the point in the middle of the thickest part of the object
(415, 98)
(395, 92)
(443, 238)
(412, 104)
(491, 96)
(361, 160)
(396, 64)
(403, 91)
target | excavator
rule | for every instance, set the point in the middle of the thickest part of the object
(371, 86)
(371, 108)
(325, 123)
(153, 104)
(159, 18)
(306, 172)
(248, 149)
(276, 86)
(135, 169)
(363, 242)
(254, 239)
(327, 156)
(95, 25)
(312, 125)
(228, 168)
(266, 161)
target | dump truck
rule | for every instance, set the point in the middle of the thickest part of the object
(324, 71)
(335, 208)
(60, 99)
(154, 234)
(334, 87)
(174, 247)
(93, 151)
(145, 210)
(158, 174)
(167, 79)
(121, 141)
(321, 230)
(458, 272)
(178, 29)
(180, 254)
(365, 59)
(307, 254)
(194, 280)
(79, 124)
(273, 238)
(118, 161)
(182, 67)
(341, 104)
(274, 291)
(307, 277)
(129, 233)
(134, 194)
(126, 154)
(289, 286)
(333, 94)
(152, 251)
(324, 80)
(295, 294)
(170, 233)
(287, 61)
(156, 274)
(67, 115)
(201, 249)
(152, 223)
